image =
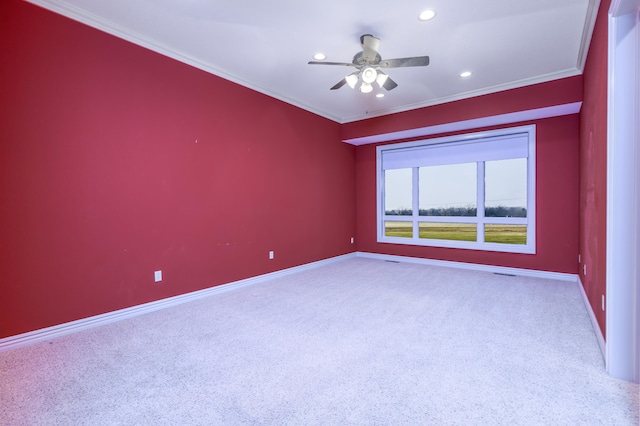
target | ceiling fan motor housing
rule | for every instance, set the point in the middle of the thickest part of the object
(360, 60)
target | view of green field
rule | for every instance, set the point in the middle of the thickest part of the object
(448, 231)
(398, 229)
(506, 234)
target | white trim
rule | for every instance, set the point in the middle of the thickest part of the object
(561, 276)
(590, 23)
(622, 7)
(476, 123)
(623, 191)
(570, 72)
(414, 154)
(109, 27)
(65, 9)
(13, 342)
(594, 321)
(585, 42)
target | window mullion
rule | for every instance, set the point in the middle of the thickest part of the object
(415, 202)
(480, 202)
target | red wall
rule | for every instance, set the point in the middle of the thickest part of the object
(552, 93)
(556, 199)
(593, 167)
(116, 161)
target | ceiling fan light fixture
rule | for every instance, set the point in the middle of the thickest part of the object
(319, 56)
(465, 74)
(366, 87)
(352, 80)
(369, 75)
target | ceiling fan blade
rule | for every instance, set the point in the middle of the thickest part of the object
(416, 61)
(389, 84)
(370, 45)
(339, 84)
(346, 64)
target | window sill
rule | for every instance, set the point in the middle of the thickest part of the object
(465, 245)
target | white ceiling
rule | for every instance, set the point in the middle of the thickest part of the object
(265, 45)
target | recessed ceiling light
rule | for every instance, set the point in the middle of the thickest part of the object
(380, 95)
(465, 74)
(319, 56)
(427, 15)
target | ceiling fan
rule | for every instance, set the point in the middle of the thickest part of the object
(368, 62)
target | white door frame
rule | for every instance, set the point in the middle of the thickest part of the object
(622, 355)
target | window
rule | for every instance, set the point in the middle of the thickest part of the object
(474, 191)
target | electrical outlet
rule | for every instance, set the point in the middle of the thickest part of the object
(584, 269)
(271, 254)
(351, 240)
(579, 258)
(603, 302)
(157, 276)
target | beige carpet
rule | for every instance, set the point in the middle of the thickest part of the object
(359, 341)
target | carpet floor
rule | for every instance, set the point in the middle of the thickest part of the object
(355, 342)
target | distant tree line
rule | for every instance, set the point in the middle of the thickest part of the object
(502, 211)
(498, 211)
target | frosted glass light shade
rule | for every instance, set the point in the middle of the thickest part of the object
(381, 79)
(369, 75)
(366, 87)
(352, 80)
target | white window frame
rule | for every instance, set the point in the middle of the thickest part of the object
(479, 137)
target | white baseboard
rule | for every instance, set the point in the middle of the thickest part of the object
(473, 266)
(594, 321)
(52, 332)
